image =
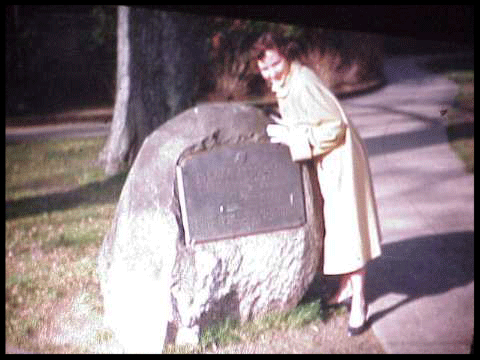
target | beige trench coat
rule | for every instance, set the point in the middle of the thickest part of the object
(352, 231)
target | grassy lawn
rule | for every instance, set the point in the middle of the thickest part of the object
(460, 117)
(58, 206)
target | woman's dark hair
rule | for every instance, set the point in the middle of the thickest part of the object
(270, 41)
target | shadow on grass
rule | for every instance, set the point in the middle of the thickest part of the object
(460, 131)
(101, 192)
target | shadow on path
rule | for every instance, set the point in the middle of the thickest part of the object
(419, 267)
(428, 136)
(419, 138)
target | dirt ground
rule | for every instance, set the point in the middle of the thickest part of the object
(319, 337)
(316, 338)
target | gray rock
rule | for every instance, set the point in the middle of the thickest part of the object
(149, 278)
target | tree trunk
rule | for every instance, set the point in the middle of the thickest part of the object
(117, 146)
(159, 54)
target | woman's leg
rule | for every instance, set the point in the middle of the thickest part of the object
(344, 291)
(353, 285)
(358, 311)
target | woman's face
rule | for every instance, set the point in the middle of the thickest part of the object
(273, 66)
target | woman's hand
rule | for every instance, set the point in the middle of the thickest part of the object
(278, 119)
(278, 134)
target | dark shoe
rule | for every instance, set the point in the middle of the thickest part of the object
(355, 331)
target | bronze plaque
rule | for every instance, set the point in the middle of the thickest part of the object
(239, 190)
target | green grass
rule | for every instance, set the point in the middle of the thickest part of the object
(43, 166)
(460, 118)
(230, 331)
(59, 204)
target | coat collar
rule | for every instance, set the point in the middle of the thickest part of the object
(282, 88)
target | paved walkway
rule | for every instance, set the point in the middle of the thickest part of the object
(42, 132)
(422, 289)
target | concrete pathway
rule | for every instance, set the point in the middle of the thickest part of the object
(421, 290)
(42, 132)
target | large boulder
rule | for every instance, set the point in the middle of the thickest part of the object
(150, 279)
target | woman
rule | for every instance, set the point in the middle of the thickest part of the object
(312, 113)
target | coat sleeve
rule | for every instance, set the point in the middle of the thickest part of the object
(322, 119)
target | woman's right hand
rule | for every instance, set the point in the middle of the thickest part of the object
(278, 134)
